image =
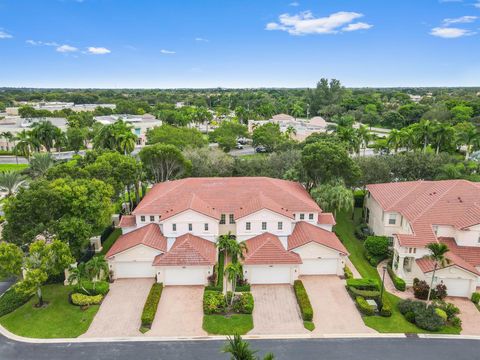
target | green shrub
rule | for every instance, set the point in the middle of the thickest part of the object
(456, 322)
(386, 309)
(243, 303)
(399, 283)
(347, 272)
(428, 319)
(220, 266)
(364, 307)
(367, 294)
(242, 288)
(450, 309)
(214, 288)
(303, 300)
(409, 305)
(410, 317)
(214, 302)
(11, 300)
(441, 313)
(377, 246)
(84, 300)
(151, 304)
(364, 284)
(475, 297)
(359, 197)
(89, 288)
(420, 289)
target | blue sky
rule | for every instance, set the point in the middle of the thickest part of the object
(241, 43)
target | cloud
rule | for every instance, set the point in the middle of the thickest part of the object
(294, 4)
(201, 39)
(477, 4)
(357, 26)
(305, 23)
(5, 35)
(66, 49)
(98, 50)
(460, 20)
(450, 32)
(168, 52)
(42, 43)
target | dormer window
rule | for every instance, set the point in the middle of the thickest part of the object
(302, 216)
(231, 219)
(264, 225)
(142, 218)
(152, 218)
(310, 216)
(222, 219)
(392, 219)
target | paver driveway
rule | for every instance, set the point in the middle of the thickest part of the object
(469, 315)
(276, 310)
(121, 310)
(179, 313)
(333, 310)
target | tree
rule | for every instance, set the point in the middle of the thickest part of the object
(96, 267)
(334, 197)
(74, 231)
(117, 136)
(442, 134)
(364, 136)
(46, 134)
(423, 132)
(40, 163)
(76, 138)
(78, 274)
(268, 136)
(26, 144)
(326, 94)
(437, 255)
(461, 113)
(233, 272)
(209, 162)
(202, 115)
(181, 137)
(467, 135)
(227, 133)
(394, 140)
(240, 350)
(8, 136)
(11, 181)
(11, 259)
(164, 162)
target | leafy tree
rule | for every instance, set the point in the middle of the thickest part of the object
(76, 137)
(11, 181)
(333, 197)
(178, 136)
(227, 133)
(461, 113)
(117, 136)
(326, 94)
(11, 259)
(164, 162)
(268, 136)
(40, 163)
(209, 162)
(46, 134)
(74, 231)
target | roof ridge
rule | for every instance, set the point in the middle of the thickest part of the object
(417, 184)
(155, 198)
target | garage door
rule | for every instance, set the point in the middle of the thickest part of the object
(318, 266)
(269, 275)
(457, 287)
(134, 269)
(184, 276)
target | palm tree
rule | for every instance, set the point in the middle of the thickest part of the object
(394, 140)
(8, 136)
(240, 350)
(45, 133)
(233, 272)
(290, 131)
(297, 110)
(442, 134)
(407, 138)
(437, 255)
(126, 142)
(423, 132)
(40, 164)
(26, 144)
(364, 136)
(77, 274)
(11, 182)
(468, 135)
(349, 136)
(95, 267)
(237, 250)
(224, 242)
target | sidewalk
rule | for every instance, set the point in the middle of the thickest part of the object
(407, 294)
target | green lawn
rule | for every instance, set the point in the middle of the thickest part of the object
(107, 244)
(59, 319)
(396, 323)
(222, 325)
(9, 167)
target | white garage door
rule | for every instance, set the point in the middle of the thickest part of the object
(184, 276)
(269, 275)
(457, 287)
(134, 269)
(318, 266)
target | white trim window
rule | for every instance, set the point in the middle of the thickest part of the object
(142, 218)
(264, 225)
(392, 219)
(280, 225)
(248, 226)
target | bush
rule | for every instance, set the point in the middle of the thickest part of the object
(428, 319)
(440, 291)
(409, 305)
(214, 302)
(85, 300)
(347, 272)
(151, 304)
(364, 307)
(441, 313)
(420, 289)
(364, 284)
(359, 197)
(410, 317)
(242, 288)
(303, 300)
(89, 288)
(386, 308)
(367, 294)
(220, 266)
(214, 288)
(450, 309)
(377, 246)
(475, 297)
(11, 300)
(362, 231)
(456, 322)
(243, 303)
(399, 283)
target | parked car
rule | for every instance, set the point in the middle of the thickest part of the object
(260, 149)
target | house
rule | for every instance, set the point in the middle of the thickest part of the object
(414, 214)
(171, 234)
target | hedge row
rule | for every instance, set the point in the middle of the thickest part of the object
(151, 304)
(214, 302)
(84, 300)
(367, 294)
(398, 282)
(91, 289)
(303, 300)
(364, 284)
(475, 297)
(11, 300)
(347, 272)
(364, 307)
(220, 269)
(242, 288)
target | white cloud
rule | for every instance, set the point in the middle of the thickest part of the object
(305, 23)
(98, 50)
(460, 20)
(450, 32)
(42, 43)
(357, 26)
(477, 4)
(295, 4)
(5, 35)
(168, 52)
(66, 48)
(201, 39)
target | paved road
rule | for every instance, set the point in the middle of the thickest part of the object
(319, 349)
(4, 285)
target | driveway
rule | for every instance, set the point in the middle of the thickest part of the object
(276, 311)
(121, 310)
(333, 310)
(179, 313)
(469, 315)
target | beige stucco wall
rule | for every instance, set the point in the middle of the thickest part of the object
(314, 250)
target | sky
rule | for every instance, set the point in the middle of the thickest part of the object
(238, 43)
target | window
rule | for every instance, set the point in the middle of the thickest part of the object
(367, 217)
(231, 219)
(248, 226)
(302, 216)
(392, 219)
(222, 219)
(390, 240)
(264, 225)
(174, 227)
(142, 218)
(310, 216)
(280, 225)
(205, 227)
(190, 227)
(152, 218)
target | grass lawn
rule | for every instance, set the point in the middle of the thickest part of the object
(221, 325)
(59, 319)
(396, 323)
(107, 244)
(8, 167)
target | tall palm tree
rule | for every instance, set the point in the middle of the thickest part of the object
(290, 131)
(468, 135)
(95, 267)
(8, 136)
(26, 144)
(364, 137)
(437, 255)
(233, 272)
(442, 134)
(423, 132)
(394, 140)
(11, 182)
(240, 350)
(40, 163)
(407, 138)
(45, 133)
(349, 136)
(237, 250)
(77, 274)
(126, 142)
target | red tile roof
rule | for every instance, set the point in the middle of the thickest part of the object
(471, 254)
(148, 235)
(427, 265)
(266, 249)
(215, 196)
(304, 233)
(427, 203)
(188, 249)
(127, 221)
(326, 219)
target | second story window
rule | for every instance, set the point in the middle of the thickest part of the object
(152, 218)
(205, 227)
(222, 219)
(231, 219)
(280, 225)
(174, 227)
(248, 226)
(310, 216)
(190, 227)
(392, 219)
(302, 216)
(264, 225)
(142, 218)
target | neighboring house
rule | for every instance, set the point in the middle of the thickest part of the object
(56, 106)
(171, 234)
(414, 214)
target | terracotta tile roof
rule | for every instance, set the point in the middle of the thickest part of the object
(427, 265)
(427, 203)
(303, 233)
(326, 219)
(265, 249)
(188, 249)
(127, 221)
(470, 254)
(148, 235)
(235, 195)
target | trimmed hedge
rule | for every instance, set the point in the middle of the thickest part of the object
(89, 288)
(475, 297)
(386, 310)
(151, 304)
(398, 282)
(367, 294)
(242, 288)
(243, 303)
(347, 272)
(364, 284)
(214, 302)
(364, 307)
(11, 300)
(214, 288)
(303, 300)
(84, 300)
(220, 269)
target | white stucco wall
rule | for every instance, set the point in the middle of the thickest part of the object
(468, 237)
(198, 222)
(310, 217)
(256, 219)
(313, 250)
(379, 220)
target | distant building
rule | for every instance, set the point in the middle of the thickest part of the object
(56, 106)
